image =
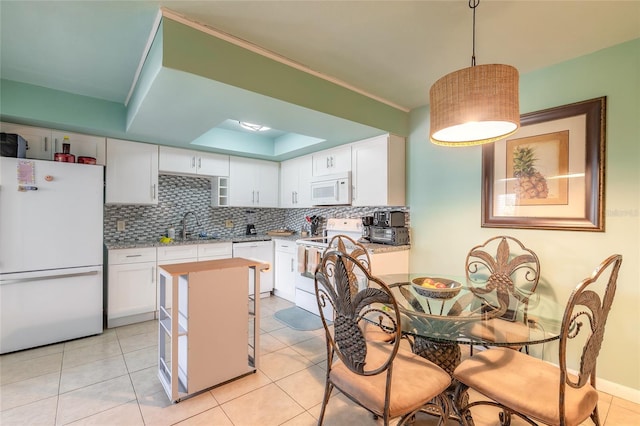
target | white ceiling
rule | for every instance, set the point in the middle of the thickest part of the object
(394, 50)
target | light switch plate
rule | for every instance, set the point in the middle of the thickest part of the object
(120, 225)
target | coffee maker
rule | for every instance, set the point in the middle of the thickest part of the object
(251, 228)
(367, 222)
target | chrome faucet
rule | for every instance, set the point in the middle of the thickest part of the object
(184, 223)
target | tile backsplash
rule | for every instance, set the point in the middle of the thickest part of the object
(180, 194)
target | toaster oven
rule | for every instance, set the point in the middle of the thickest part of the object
(396, 236)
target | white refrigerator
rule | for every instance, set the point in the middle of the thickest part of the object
(51, 252)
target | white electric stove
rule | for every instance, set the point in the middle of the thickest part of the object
(310, 252)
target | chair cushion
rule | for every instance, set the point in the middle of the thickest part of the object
(525, 384)
(414, 382)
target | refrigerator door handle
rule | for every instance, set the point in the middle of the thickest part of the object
(46, 277)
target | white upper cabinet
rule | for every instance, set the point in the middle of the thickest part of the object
(253, 183)
(132, 173)
(378, 171)
(44, 143)
(184, 161)
(81, 145)
(295, 182)
(332, 161)
(40, 146)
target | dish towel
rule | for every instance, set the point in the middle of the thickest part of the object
(312, 260)
(302, 259)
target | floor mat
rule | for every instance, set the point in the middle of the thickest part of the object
(298, 319)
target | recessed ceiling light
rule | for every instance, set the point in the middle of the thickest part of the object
(253, 127)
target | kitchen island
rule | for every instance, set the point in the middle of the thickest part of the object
(207, 336)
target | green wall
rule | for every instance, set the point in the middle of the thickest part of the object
(444, 195)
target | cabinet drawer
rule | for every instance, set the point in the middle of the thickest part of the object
(133, 255)
(286, 246)
(218, 250)
(177, 252)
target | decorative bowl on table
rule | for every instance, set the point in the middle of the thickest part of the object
(436, 288)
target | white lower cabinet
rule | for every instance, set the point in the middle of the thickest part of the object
(215, 251)
(263, 252)
(170, 255)
(286, 269)
(131, 290)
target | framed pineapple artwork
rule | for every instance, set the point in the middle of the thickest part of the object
(550, 173)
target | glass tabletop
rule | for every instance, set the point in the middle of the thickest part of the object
(459, 312)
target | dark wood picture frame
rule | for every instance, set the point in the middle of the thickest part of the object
(585, 203)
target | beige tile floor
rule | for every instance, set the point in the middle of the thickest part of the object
(111, 379)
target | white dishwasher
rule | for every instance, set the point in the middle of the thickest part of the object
(262, 251)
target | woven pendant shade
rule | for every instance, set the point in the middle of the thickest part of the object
(475, 105)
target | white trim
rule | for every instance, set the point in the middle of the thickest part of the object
(618, 390)
(152, 36)
(272, 55)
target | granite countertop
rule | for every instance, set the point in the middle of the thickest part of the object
(113, 245)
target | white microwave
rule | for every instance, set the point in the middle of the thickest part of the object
(331, 190)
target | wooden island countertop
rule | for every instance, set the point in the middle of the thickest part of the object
(209, 265)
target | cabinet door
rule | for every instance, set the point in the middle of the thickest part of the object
(332, 161)
(175, 160)
(214, 251)
(267, 183)
(208, 164)
(369, 173)
(288, 183)
(253, 182)
(295, 182)
(241, 182)
(286, 269)
(132, 173)
(305, 173)
(378, 171)
(131, 289)
(38, 140)
(81, 145)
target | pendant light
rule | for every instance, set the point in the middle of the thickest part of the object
(474, 105)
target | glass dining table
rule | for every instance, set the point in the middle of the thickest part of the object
(438, 321)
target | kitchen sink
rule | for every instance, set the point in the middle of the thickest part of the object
(196, 238)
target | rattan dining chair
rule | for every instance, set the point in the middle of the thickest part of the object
(538, 391)
(379, 376)
(503, 273)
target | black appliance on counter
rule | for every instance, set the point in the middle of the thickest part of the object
(367, 222)
(13, 145)
(396, 236)
(388, 219)
(387, 228)
(251, 218)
